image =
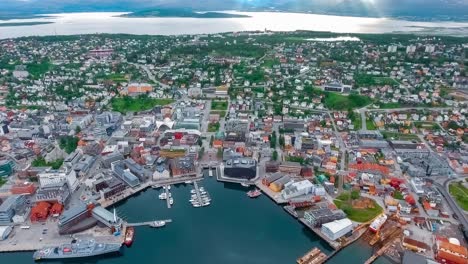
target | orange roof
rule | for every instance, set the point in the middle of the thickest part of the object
(450, 258)
(217, 143)
(453, 248)
(140, 89)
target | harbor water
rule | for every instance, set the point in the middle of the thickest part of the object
(233, 229)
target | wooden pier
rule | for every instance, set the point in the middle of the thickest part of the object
(314, 256)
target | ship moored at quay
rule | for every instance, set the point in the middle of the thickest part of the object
(77, 249)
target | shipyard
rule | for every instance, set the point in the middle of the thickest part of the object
(244, 150)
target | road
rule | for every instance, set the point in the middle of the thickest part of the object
(151, 76)
(342, 150)
(452, 203)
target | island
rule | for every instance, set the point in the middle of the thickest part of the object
(171, 12)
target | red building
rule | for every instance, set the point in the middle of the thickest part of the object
(23, 188)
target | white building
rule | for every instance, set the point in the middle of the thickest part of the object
(295, 189)
(392, 48)
(411, 49)
(337, 228)
(429, 49)
(49, 179)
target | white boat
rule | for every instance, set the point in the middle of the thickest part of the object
(206, 204)
(193, 191)
(188, 182)
(171, 200)
(154, 186)
(202, 189)
(210, 173)
(163, 196)
(196, 205)
(245, 184)
(157, 224)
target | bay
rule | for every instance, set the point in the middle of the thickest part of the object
(110, 22)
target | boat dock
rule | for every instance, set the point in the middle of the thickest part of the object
(315, 256)
(148, 223)
(197, 191)
(166, 188)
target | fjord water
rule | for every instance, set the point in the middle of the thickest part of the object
(234, 229)
(90, 23)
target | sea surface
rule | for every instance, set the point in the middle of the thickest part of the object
(234, 229)
(109, 22)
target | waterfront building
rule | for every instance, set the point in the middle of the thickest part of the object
(337, 228)
(278, 185)
(76, 219)
(244, 168)
(295, 189)
(318, 217)
(183, 167)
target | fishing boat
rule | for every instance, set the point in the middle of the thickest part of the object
(156, 224)
(129, 235)
(378, 223)
(254, 193)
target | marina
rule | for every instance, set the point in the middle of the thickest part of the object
(264, 217)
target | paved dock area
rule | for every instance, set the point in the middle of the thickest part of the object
(273, 195)
(333, 244)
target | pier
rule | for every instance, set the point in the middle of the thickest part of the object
(315, 256)
(148, 223)
(197, 191)
(168, 198)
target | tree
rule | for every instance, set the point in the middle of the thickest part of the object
(200, 141)
(77, 130)
(274, 155)
(355, 195)
(281, 141)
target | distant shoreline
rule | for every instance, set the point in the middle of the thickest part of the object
(22, 24)
(181, 13)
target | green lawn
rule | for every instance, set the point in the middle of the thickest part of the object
(357, 122)
(213, 127)
(398, 136)
(398, 195)
(117, 77)
(219, 105)
(38, 69)
(41, 162)
(342, 102)
(370, 124)
(460, 193)
(390, 105)
(359, 215)
(128, 104)
(2, 181)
